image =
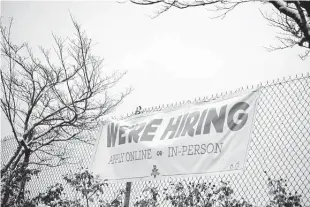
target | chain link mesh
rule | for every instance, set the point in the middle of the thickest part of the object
(280, 147)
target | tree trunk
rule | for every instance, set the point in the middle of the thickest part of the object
(23, 169)
(9, 163)
(5, 196)
(13, 173)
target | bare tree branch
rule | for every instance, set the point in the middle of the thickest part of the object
(51, 103)
(291, 17)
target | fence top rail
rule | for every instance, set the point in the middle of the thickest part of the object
(216, 96)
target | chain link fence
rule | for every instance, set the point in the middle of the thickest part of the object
(279, 149)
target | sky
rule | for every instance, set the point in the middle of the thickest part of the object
(180, 55)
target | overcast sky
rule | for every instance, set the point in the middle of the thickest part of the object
(180, 55)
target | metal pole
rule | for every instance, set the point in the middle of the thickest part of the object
(127, 194)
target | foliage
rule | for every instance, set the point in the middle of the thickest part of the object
(181, 194)
(116, 202)
(149, 197)
(89, 189)
(279, 195)
(13, 179)
(53, 197)
(203, 195)
(86, 184)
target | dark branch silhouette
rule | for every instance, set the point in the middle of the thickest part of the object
(291, 17)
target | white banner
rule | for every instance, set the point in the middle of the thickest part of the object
(204, 138)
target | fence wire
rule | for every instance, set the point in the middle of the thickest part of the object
(279, 149)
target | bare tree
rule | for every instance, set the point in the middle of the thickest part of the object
(291, 17)
(49, 102)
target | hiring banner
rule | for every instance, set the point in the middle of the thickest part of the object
(197, 139)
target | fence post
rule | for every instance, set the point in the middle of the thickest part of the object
(127, 194)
